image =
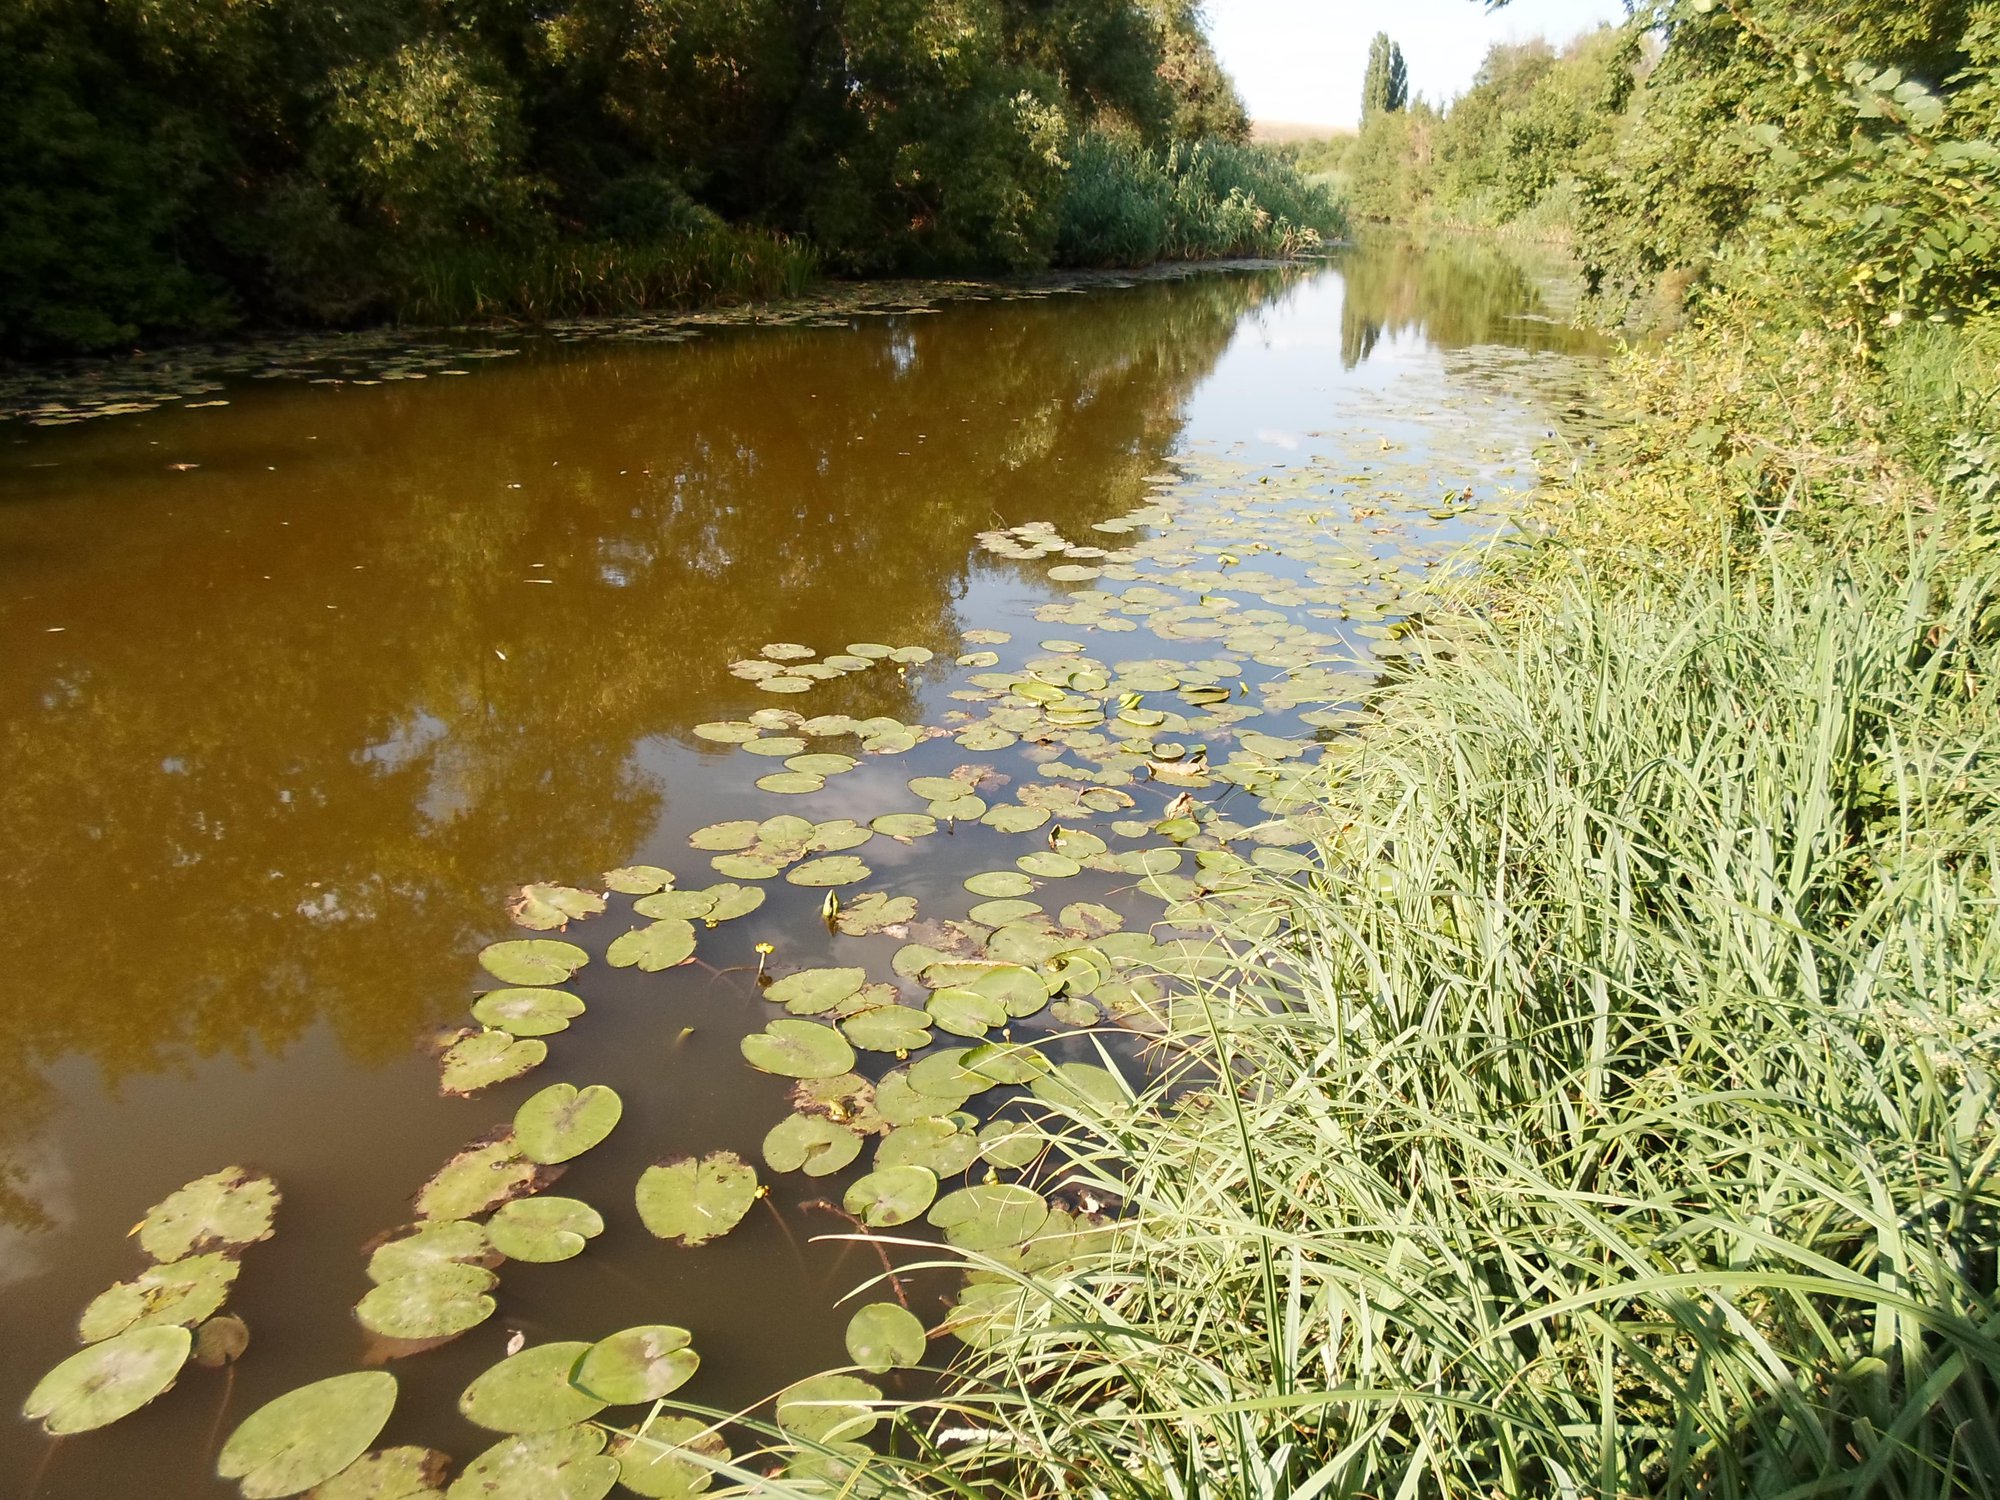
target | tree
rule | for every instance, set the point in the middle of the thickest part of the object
(1386, 88)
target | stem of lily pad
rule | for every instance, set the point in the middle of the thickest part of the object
(215, 1427)
(789, 1236)
(42, 1469)
(861, 1233)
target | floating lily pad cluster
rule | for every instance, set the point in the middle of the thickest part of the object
(140, 1333)
(787, 667)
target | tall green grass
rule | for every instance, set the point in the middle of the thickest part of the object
(1615, 1114)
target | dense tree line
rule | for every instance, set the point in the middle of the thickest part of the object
(171, 166)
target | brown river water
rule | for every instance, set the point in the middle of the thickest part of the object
(306, 667)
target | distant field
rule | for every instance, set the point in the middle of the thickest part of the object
(1279, 132)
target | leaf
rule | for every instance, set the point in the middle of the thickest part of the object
(791, 783)
(815, 991)
(798, 1049)
(965, 1012)
(659, 946)
(443, 1243)
(225, 1210)
(567, 1463)
(867, 915)
(532, 960)
(636, 1365)
(740, 833)
(109, 1380)
(530, 1392)
(563, 1121)
(543, 1230)
(389, 1474)
(1089, 919)
(483, 1175)
(1000, 913)
(938, 1143)
(480, 1059)
(888, 1028)
(1000, 884)
(1019, 989)
(1007, 817)
(654, 1463)
(638, 880)
(732, 901)
(991, 1216)
(883, 1336)
(905, 826)
(435, 1302)
(527, 1012)
(726, 731)
(838, 869)
(1082, 1085)
(221, 1341)
(889, 1196)
(182, 1291)
(809, 1144)
(828, 1409)
(547, 908)
(307, 1436)
(1011, 1143)
(695, 1201)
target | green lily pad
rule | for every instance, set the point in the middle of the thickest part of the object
(433, 1303)
(732, 901)
(480, 1059)
(867, 915)
(307, 1436)
(563, 1121)
(1048, 865)
(1090, 919)
(1020, 990)
(905, 826)
(965, 1012)
(482, 1176)
(809, 1144)
(1004, 1063)
(443, 1243)
(655, 1463)
(532, 960)
(942, 1074)
(222, 1211)
(791, 783)
(687, 905)
(739, 833)
(109, 1380)
(847, 1099)
(991, 1216)
(567, 1463)
(182, 1291)
(695, 1201)
(838, 869)
(987, 1313)
(659, 946)
(389, 1474)
(1082, 1085)
(726, 731)
(870, 649)
(911, 655)
(810, 992)
(638, 880)
(777, 746)
(940, 1144)
(798, 1049)
(1011, 1143)
(986, 737)
(822, 763)
(544, 1230)
(530, 1391)
(1000, 884)
(1025, 943)
(1008, 817)
(889, 1196)
(636, 1365)
(785, 684)
(964, 808)
(1000, 913)
(1079, 1013)
(883, 1336)
(220, 1341)
(546, 908)
(527, 1011)
(888, 1028)
(828, 1409)
(836, 834)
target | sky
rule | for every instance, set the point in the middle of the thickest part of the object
(1301, 61)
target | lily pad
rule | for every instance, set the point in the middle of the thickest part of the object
(828, 1409)
(940, 1144)
(739, 833)
(964, 808)
(1009, 817)
(530, 1391)
(307, 1436)
(785, 684)
(566, 1464)
(991, 1216)
(687, 905)
(563, 1121)
(887, 1028)
(221, 1341)
(695, 1201)
(1019, 989)
(544, 1230)
(109, 1380)
(1082, 1085)
(838, 869)
(1000, 884)
(480, 1059)
(180, 1292)
(821, 763)
(222, 1211)
(655, 1462)
(1048, 865)
(433, 1303)
(482, 1176)
(532, 960)
(636, 1365)
(905, 826)
(943, 1075)
(547, 908)
(638, 880)
(726, 731)
(965, 1012)
(659, 946)
(527, 1011)
(810, 1144)
(866, 915)
(883, 1336)
(836, 834)
(1011, 1143)
(409, 1473)
(811, 992)
(791, 783)
(446, 1242)
(798, 1049)
(1000, 913)
(889, 1196)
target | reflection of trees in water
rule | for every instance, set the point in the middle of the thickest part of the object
(276, 811)
(1455, 292)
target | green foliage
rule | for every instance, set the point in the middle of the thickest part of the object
(1385, 87)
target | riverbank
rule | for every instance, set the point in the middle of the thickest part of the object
(1616, 1109)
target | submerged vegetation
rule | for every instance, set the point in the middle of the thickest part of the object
(174, 169)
